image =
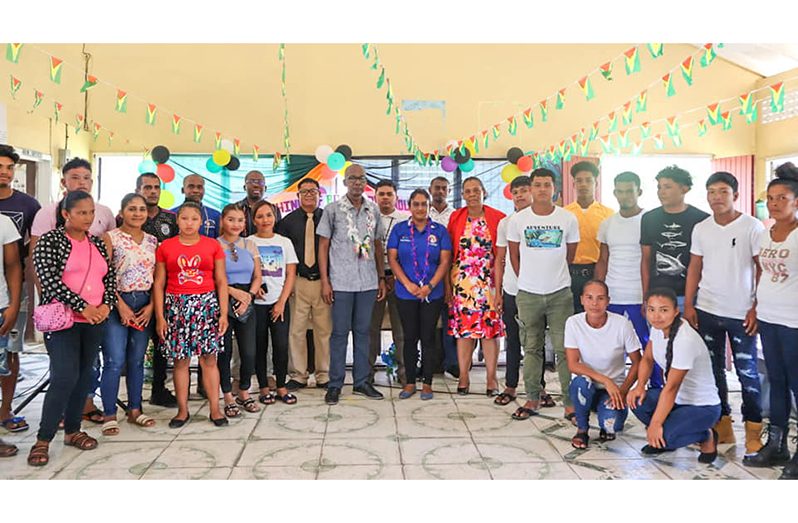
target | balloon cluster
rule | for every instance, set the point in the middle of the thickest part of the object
(336, 160)
(519, 165)
(158, 166)
(460, 157)
(223, 159)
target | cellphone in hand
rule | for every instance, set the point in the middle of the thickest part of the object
(135, 325)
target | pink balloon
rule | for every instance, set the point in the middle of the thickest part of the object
(448, 164)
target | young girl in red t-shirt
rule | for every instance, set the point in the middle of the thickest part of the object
(190, 297)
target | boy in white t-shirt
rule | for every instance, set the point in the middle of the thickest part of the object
(596, 345)
(542, 241)
(722, 273)
(10, 299)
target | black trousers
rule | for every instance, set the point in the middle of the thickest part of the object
(419, 319)
(245, 336)
(279, 334)
(580, 274)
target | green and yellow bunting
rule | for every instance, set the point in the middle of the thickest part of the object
(197, 133)
(381, 79)
(56, 64)
(642, 102)
(587, 88)
(398, 119)
(667, 81)
(152, 113)
(16, 84)
(606, 70)
(365, 50)
(637, 147)
(777, 97)
(217, 141)
(78, 123)
(96, 133)
(627, 113)
(544, 110)
(177, 123)
(594, 130)
(727, 120)
(485, 139)
(659, 143)
(574, 143)
(673, 131)
(110, 138)
(702, 128)
(529, 118)
(709, 55)
(584, 147)
(12, 52)
(276, 160)
(606, 143)
(645, 129)
(623, 139)
(91, 81)
(713, 112)
(236, 147)
(38, 96)
(632, 60)
(512, 126)
(746, 103)
(687, 70)
(121, 101)
(656, 50)
(496, 132)
(751, 117)
(57, 107)
(560, 99)
(255, 153)
(613, 122)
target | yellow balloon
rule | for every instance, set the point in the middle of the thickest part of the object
(221, 157)
(470, 146)
(510, 172)
(167, 200)
(342, 170)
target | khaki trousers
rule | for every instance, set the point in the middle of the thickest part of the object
(308, 311)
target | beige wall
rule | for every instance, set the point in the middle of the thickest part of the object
(777, 138)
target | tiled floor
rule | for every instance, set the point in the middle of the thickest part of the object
(450, 437)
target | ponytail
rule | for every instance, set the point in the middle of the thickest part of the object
(677, 322)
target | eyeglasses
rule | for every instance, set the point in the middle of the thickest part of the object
(259, 183)
(358, 179)
(311, 192)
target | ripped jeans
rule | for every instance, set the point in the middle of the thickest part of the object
(586, 397)
(713, 330)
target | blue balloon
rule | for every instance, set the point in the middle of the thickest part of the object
(147, 166)
(467, 166)
(336, 161)
(212, 166)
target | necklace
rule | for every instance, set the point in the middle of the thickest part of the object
(420, 275)
(362, 246)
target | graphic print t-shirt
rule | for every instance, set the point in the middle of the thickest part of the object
(543, 245)
(669, 237)
(189, 268)
(275, 253)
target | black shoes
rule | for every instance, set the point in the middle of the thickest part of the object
(321, 385)
(219, 422)
(790, 470)
(774, 452)
(368, 390)
(653, 451)
(331, 398)
(163, 398)
(709, 457)
(176, 423)
(293, 385)
(453, 371)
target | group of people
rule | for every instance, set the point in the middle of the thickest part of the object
(661, 290)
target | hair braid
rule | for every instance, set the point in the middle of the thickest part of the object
(677, 322)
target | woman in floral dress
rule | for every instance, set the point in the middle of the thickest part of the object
(472, 297)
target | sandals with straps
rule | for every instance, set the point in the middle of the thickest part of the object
(231, 410)
(248, 404)
(110, 428)
(580, 440)
(504, 398)
(142, 420)
(81, 441)
(39, 455)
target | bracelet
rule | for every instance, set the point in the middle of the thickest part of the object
(382, 277)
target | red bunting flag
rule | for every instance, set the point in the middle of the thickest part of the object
(606, 70)
(687, 70)
(236, 146)
(56, 65)
(177, 123)
(197, 133)
(713, 111)
(529, 119)
(121, 101)
(217, 141)
(255, 153)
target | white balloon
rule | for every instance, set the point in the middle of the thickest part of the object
(227, 145)
(323, 152)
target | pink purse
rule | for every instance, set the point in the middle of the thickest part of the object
(55, 316)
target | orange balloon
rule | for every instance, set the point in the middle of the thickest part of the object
(327, 173)
(524, 164)
(507, 192)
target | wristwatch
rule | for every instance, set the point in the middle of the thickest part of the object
(431, 288)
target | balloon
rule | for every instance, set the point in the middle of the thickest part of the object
(336, 161)
(323, 152)
(212, 166)
(227, 145)
(147, 166)
(345, 150)
(165, 172)
(221, 157)
(448, 164)
(513, 154)
(327, 173)
(510, 172)
(470, 146)
(461, 157)
(524, 164)
(160, 154)
(507, 192)
(167, 200)
(233, 164)
(343, 169)
(468, 166)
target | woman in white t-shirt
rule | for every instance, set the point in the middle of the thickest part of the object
(688, 406)
(596, 345)
(777, 317)
(278, 269)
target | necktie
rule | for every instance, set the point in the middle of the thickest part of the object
(310, 241)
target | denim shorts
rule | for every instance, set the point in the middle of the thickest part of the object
(14, 343)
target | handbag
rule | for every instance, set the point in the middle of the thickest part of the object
(231, 310)
(56, 316)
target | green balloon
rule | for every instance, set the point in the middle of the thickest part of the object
(212, 167)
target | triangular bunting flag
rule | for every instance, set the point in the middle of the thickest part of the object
(55, 69)
(96, 133)
(687, 70)
(512, 126)
(78, 123)
(110, 138)
(16, 84)
(236, 146)
(777, 97)
(473, 140)
(574, 143)
(177, 122)
(623, 139)
(751, 117)
(381, 79)
(642, 102)
(632, 60)
(594, 130)
(560, 99)
(90, 82)
(365, 50)
(746, 103)
(667, 81)
(529, 118)
(57, 107)
(727, 120)
(197, 133)
(673, 131)
(38, 96)
(544, 110)
(485, 139)
(613, 122)
(606, 70)
(121, 101)
(713, 111)
(152, 112)
(561, 149)
(655, 50)
(637, 147)
(627, 113)
(276, 160)
(702, 128)
(217, 141)
(12, 52)
(587, 88)
(496, 132)
(606, 143)
(659, 143)
(709, 55)
(645, 129)
(255, 153)
(584, 146)
(398, 119)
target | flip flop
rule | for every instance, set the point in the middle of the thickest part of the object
(288, 399)
(7, 451)
(15, 424)
(110, 428)
(522, 413)
(546, 401)
(142, 420)
(504, 399)
(248, 404)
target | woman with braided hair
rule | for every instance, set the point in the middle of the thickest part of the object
(687, 407)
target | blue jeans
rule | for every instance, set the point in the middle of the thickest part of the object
(351, 312)
(634, 314)
(780, 345)
(586, 397)
(714, 330)
(685, 424)
(124, 345)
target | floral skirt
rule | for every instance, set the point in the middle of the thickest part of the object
(465, 323)
(192, 325)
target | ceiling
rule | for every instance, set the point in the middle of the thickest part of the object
(763, 59)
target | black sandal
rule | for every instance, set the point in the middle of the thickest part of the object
(522, 413)
(606, 436)
(231, 410)
(580, 440)
(546, 401)
(504, 398)
(248, 404)
(288, 399)
(571, 416)
(267, 399)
